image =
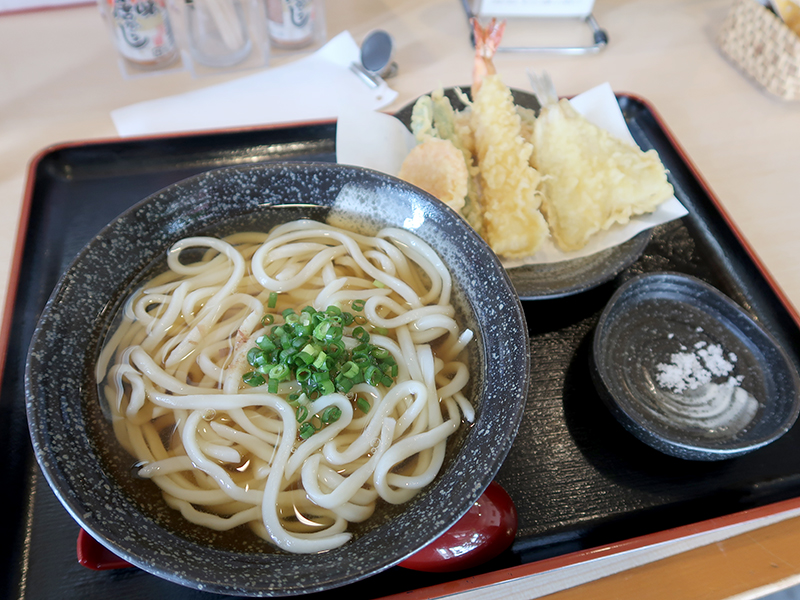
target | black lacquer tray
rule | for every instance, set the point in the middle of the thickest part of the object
(578, 479)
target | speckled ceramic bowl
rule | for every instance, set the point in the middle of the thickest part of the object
(69, 431)
(689, 372)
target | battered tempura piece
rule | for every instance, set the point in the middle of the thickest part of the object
(438, 167)
(591, 179)
(442, 162)
(512, 223)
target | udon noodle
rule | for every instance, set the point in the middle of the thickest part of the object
(230, 441)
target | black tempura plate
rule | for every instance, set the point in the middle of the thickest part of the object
(568, 277)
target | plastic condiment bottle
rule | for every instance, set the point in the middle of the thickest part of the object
(291, 23)
(141, 31)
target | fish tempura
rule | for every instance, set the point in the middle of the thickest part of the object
(593, 179)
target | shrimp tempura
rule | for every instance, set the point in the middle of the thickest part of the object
(487, 39)
(512, 223)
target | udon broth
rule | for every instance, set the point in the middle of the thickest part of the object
(232, 444)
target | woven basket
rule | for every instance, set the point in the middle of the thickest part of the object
(763, 47)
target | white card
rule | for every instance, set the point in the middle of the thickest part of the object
(535, 8)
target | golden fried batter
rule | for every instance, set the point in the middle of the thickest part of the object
(591, 179)
(512, 223)
(438, 167)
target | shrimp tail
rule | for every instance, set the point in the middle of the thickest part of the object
(487, 40)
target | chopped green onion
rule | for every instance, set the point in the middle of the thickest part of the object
(301, 414)
(361, 359)
(305, 357)
(380, 353)
(255, 357)
(378, 284)
(273, 299)
(279, 372)
(265, 343)
(321, 330)
(336, 348)
(309, 347)
(331, 414)
(307, 430)
(334, 333)
(358, 305)
(349, 369)
(267, 319)
(253, 379)
(287, 355)
(319, 361)
(373, 375)
(343, 384)
(362, 405)
(320, 376)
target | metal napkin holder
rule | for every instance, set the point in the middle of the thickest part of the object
(598, 34)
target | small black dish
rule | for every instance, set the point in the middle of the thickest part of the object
(688, 372)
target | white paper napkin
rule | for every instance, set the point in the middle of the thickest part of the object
(381, 142)
(316, 87)
(10, 6)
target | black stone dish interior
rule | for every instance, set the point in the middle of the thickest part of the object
(67, 427)
(653, 317)
(568, 277)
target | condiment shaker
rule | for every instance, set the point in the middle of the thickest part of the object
(217, 32)
(141, 32)
(294, 24)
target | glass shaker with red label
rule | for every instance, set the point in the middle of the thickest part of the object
(141, 31)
